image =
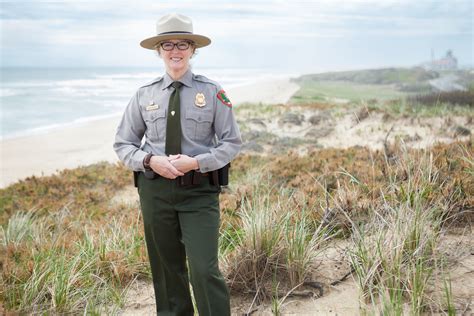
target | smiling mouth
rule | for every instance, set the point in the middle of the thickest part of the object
(176, 59)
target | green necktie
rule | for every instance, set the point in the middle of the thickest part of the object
(173, 123)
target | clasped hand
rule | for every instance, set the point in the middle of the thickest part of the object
(173, 166)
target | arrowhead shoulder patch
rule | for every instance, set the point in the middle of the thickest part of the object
(224, 99)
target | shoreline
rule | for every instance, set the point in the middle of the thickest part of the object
(83, 143)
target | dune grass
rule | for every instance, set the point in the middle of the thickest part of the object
(394, 253)
(53, 266)
(278, 234)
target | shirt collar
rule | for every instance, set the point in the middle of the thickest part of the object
(186, 79)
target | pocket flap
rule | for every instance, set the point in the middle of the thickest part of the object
(151, 116)
(200, 116)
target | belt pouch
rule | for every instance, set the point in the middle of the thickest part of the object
(196, 178)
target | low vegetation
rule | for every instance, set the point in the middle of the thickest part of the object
(278, 215)
(65, 247)
(388, 85)
(343, 92)
(376, 76)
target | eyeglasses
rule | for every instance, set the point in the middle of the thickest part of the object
(168, 46)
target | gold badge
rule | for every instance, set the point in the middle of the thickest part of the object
(200, 100)
(152, 106)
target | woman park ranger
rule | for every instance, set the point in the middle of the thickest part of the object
(191, 135)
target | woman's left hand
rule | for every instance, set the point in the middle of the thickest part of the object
(184, 163)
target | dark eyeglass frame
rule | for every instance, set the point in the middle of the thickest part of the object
(184, 45)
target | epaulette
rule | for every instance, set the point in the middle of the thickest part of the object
(158, 79)
(204, 79)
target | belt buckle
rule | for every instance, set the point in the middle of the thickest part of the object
(185, 180)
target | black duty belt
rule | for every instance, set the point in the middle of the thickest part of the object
(216, 177)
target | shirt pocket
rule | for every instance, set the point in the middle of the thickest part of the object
(199, 124)
(155, 124)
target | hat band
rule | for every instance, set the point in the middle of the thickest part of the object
(173, 32)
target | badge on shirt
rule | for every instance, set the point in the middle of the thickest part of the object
(200, 100)
(224, 99)
(152, 106)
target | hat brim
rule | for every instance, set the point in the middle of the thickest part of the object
(199, 40)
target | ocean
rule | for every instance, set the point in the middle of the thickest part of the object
(35, 100)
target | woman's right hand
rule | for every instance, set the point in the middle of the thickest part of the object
(163, 166)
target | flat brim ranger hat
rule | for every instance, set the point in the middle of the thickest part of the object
(174, 26)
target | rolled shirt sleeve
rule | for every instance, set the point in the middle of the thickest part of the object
(228, 136)
(129, 136)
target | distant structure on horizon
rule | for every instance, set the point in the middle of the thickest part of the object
(448, 62)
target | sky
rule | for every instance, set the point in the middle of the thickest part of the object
(290, 36)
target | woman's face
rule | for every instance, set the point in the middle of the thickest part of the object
(176, 60)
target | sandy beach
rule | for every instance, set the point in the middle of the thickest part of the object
(87, 143)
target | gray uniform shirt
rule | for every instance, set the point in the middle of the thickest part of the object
(209, 133)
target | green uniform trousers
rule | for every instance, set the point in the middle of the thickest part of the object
(179, 222)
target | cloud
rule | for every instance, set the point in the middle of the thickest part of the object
(73, 24)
